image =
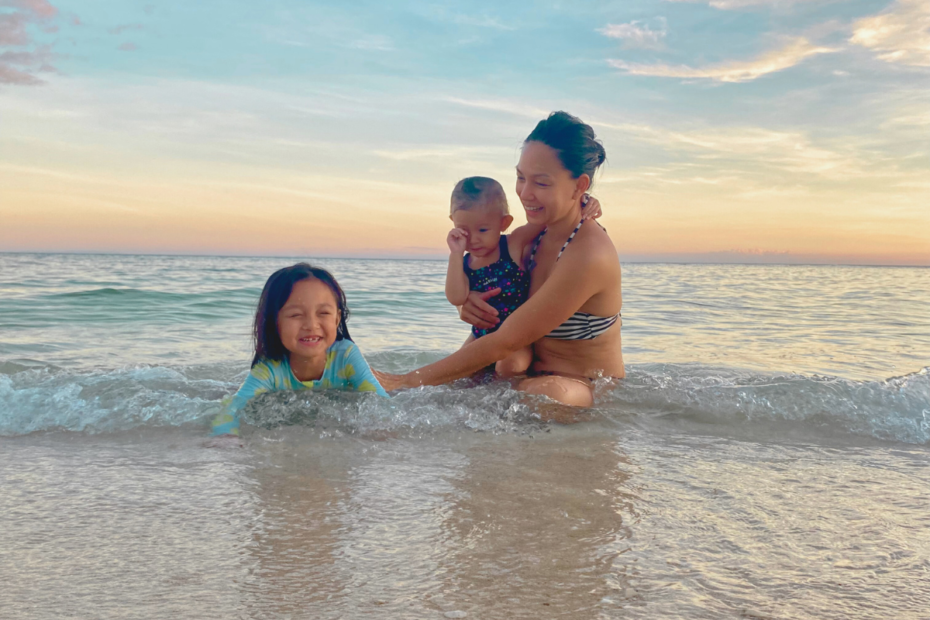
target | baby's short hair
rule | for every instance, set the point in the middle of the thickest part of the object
(479, 192)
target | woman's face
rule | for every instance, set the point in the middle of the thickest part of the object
(546, 189)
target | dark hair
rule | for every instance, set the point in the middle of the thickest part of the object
(277, 290)
(574, 141)
(473, 192)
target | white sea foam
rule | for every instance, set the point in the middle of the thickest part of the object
(46, 399)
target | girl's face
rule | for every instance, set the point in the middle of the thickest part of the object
(309, 320)
(546, 189)
(483, 227)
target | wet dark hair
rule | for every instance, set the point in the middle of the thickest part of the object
(277, 290)
(574, 141)
(474, 192)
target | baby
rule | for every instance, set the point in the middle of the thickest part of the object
(480, 214)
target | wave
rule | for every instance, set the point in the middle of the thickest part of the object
(111, 305)
(39, 398)
(895, 409)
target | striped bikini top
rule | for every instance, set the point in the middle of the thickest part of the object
(581, 325)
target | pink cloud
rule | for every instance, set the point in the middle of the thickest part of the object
(18, 65)
(9, 75)
(127, 47)
(27, 59)
(13, 29)
(39, 8)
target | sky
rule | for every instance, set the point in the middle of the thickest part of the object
(735, 130)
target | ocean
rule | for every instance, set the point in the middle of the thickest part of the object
(767, 456)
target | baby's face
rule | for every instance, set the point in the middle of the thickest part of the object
(483, 227)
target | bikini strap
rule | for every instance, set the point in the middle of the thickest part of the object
(569, 240)
(532, 262)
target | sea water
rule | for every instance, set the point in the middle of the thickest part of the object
(767, 456)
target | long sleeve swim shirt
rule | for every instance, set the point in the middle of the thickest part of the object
(346, 369)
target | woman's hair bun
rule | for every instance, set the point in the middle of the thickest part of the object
(578, 148)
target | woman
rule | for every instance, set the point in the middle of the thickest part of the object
(572, 317)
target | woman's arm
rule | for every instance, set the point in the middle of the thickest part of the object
(560, 297)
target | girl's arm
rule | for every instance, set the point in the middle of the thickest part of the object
(358, 372)
(258, 382)
(560, 297)
(456, 280)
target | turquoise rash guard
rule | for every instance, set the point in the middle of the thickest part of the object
(345, 369)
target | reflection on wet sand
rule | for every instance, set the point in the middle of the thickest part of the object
(292, 562)
(524, 526)
(534, 529)
(348, 527)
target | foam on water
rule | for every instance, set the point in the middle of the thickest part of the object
(896, 409)
(44, 398)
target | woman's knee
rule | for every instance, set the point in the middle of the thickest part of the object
(515, 364)
(568, 391)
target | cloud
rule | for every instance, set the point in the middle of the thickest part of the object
(500, 105)
(374, 43)
(124, 27)
(127, 47)
(439, 13)
(735, 5)
(20, 66)
(451, 153)
(9, 75)
(900, 35)
(483, 21)
(791, 152)
(13, 29)
(635, 35)
(39, 8)
(735, 71)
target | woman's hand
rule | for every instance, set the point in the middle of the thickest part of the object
(388, 381)
(478, 312)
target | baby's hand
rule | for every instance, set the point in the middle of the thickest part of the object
(457, 240)
(590, 207)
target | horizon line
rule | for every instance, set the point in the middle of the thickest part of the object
(643, 261)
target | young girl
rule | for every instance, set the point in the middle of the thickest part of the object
(301, 342)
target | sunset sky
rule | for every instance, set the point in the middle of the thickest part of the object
(736, 130)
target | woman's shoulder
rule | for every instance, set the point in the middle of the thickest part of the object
(519, 239)
(595, 244)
